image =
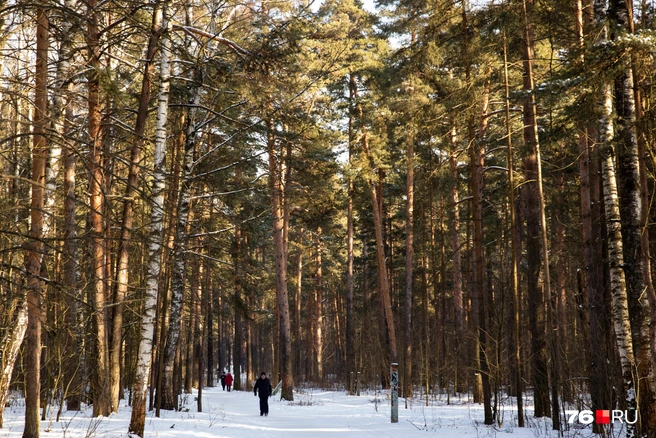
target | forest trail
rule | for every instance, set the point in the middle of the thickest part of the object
(314, 413)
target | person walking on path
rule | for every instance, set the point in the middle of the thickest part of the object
(263, 386)
(223, 376)
(228, 381)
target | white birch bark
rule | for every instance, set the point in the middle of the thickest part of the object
(9, 347)
(138, 419)
(169, 398)
(619, 301)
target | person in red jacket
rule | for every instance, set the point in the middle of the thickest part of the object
(228, 381)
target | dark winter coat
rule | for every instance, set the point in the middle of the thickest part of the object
(263, 386)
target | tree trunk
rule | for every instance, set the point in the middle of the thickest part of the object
(350, 325)
(376, 206)
(35, 248)
(318, 310)
(621, 321)
(409, 271)
(178, 282)
(122, 265)
(535, 236)
(456, 264)
(479, 305)
(620, 15)
(98, 255)
(238, 306)
(209, 318)
(514, 274)
(138, 419)
(297, 301)
(281, 266)
(594, 285)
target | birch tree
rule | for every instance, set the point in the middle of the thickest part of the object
(122, 268)
(142, 378)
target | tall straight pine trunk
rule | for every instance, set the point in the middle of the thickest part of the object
(282, 299)
(514, 274)
(98, 255)
(534, 239)
(350, 323)
(35, 247)
(376, 206)
(409, 271)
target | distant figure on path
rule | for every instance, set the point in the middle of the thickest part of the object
(263, 385)
(223, 376)
(228, 381)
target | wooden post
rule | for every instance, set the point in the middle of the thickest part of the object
(351, 383)
(394, 388)
(357, 383)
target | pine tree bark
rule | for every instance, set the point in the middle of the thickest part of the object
(409, 271)
(514, 274)
(138, 418)
(98, 255)
(376, 206)
(297, 301)
(456, 263)
(350, 323)
(534, 240)
(318, 310)
(238, 306)
(479, 304)
(275, 190)
(63, 124)
(35, 247)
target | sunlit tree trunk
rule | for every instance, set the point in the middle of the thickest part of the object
(318, 310)
(456, 264)
(350, 323)
(275, 190)
(98, 255)
(383, 279)
(409, 271)
(35, 247)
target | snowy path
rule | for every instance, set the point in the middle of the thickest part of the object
(315, 413)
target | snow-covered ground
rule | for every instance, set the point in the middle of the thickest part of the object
(314, 413)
